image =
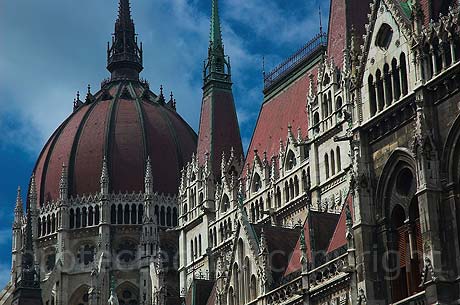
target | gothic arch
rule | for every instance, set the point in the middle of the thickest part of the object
(128, 293)
(450, 157)
(80, 296)
(401, 159)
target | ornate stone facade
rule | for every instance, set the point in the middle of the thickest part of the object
(349, 192)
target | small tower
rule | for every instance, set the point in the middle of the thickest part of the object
(27, 289)
(17, 236)
(219, 130)
(124, 56)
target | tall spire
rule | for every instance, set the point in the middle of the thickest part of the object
(215, 38)
(124, 57)
(217, 66)
(18, 210)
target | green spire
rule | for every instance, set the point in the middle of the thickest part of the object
(215, 37)
(217, 66)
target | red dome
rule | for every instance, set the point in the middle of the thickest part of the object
(127, 123)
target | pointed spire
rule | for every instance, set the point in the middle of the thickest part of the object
(63, 184)
(215, 38)
(124, 57)
(217, 67)
(104, 178)
(18, 210)
(148, 179)
(33, 193)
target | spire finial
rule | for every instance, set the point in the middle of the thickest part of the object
(63, 184)
(148, 179)
(18, 210)
(217, 66)
(104, 177)
(124, 57)
(216, 33)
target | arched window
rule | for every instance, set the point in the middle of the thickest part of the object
(133, 214)
(53, 223)
(195, 251)
(315, 119)
(71, 220)
(126, 215)
(325, 106)
(162, 216)
(296, 186)
(225, 204)
(278, 196)
(387, 82)
(185, 212)
(84, 218)
(174, 217)
(329, 100)
(168, 217)
(199, 248)
(380, 91)
(253, 285)
(113, 214)
(290, 160)
(253, 217)
(140, 214)
(332, 162)
(120, 214)
(403, 68)
(257, 210)
(339, 159)
(78, 219)
(396, 79)
(39, 224)
(256, 183)
(211, 239)
(286, 191)
(97, 216)
(191, 250)
(90, 216)
(326, 165)
(372, 95)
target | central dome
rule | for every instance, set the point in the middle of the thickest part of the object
(126, 123)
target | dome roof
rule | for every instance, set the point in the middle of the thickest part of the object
(126, 123)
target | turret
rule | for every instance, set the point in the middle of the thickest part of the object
(124, 56)
(27, 286)
(17, 236)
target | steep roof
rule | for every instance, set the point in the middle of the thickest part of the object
(280, 242)
(339, 239)
(318, 229)
(288, 107)
(345, 15)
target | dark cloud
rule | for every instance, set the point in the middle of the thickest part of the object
(49, 49)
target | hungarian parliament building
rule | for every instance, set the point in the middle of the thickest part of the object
(347, 194)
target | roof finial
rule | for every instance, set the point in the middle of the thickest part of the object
(217, 66)
(216, 33)
(104, 177)
(263, 66)
(124, 57)
(18, 210)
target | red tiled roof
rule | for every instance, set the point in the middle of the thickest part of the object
(127, 131)
(219, 130)
(339, 239)
(343, 16)
(288, 107)
(318, 229)
(280, 242)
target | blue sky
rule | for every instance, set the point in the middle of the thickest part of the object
(49, 49)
